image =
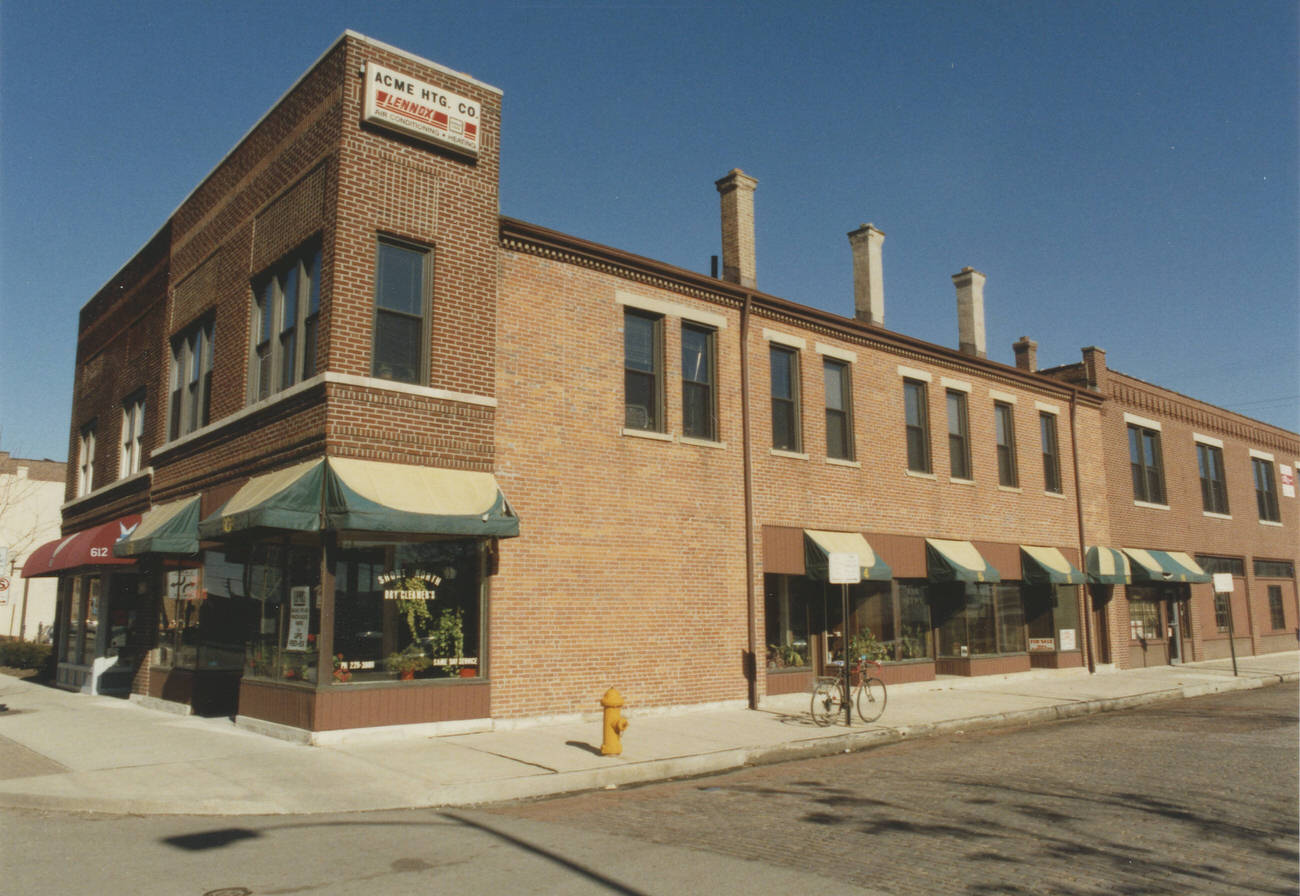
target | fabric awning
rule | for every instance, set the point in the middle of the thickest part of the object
(1048, 566)
(89, 547)
(818, 545)
(367, 496)
(166, 529)
(957, 561)
(1107, 566)
(1164, 566)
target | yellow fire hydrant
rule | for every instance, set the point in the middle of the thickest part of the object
(615, 724)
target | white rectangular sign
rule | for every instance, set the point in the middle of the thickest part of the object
(843, 569)
(1068, 639)
(1223, 583)
(1287, 473)
(419, 109)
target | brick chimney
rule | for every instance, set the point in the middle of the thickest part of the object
(1026, 351)
(1094, 368)
(970, 312)
(868, 275)
(737, 191)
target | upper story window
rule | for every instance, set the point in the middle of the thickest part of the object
(643, 380)
(1146, 464)
(1005, 423)
(130, 455)
(785, 398)
(1265, 489)
(1276, 609)
(86, 460)
(917, 414)
(839, 409)
(699, 396)
(190, 389)
(285, 314)
(958, 435)
(1214, 485)
(403, 284)
(1051, 452)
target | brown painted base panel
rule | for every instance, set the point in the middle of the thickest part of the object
(902, 673)
(789, 682)
(1070, 660)
(990, 665)
(1155, 654)
(338, 708)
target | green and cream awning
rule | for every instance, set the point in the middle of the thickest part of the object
(1107, 566)
(166, 529)
(1164, 566)
(1048, 566)
(818, 545)
(957, 561)
(367, 496)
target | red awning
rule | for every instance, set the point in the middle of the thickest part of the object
(89, 547)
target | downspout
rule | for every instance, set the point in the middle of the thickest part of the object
(751, 616)
(1088, 652)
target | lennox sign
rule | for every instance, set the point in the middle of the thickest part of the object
(421, 110)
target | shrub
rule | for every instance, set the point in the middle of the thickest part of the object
(24, 654)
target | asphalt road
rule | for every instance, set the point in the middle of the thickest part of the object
(1195, 796)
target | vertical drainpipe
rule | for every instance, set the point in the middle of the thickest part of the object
(1088, 652)
(751, 615)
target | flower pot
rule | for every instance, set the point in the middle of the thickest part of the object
(469, 672)
(407, 675)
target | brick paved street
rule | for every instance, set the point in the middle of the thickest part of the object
(1196, 796)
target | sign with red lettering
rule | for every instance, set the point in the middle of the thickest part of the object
(419, 109)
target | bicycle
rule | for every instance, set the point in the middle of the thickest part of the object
(829, 694)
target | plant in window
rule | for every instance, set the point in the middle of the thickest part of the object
(448, 640)
(784, 656)
(341, 671)
(865, 644)
(406, 663)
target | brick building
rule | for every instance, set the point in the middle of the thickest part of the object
(301, 407)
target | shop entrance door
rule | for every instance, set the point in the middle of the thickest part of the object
(1101, 595)
(1179, 631)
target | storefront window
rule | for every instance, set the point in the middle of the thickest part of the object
(83, 620)
(407, 610)
(1052, 617)
(896, 616)
(979, 620)
(282, 581)
(1144, 620)
(790, 607)
(206, 617)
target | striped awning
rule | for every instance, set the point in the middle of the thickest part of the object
(166, 529)
(1048, 566)
(367, 496)
(819, 545)
(1164, 566)
(1107, 566)
(957, 561)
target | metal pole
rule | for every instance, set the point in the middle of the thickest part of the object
(1232, 637)
(844, 627)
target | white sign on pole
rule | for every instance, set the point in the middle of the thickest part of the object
(844, 569)
(1223, 583)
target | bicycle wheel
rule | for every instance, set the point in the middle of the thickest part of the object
(826, 703)
(871, 699)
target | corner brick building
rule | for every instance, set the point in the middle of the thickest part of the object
(353, 450)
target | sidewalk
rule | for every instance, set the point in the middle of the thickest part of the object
(67, 751)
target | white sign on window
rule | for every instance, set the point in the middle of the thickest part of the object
(1223, 583)
(1067, 638)
(419, 109)
(1287, 474)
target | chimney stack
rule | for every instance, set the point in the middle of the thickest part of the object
(970, 312)
(1094, 368)
(1026, 351)
(737, 191)
(868, 275)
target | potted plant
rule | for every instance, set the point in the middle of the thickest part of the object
(341, 671)
(406, 663)
(448, 640)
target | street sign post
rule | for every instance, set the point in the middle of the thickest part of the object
(845, 570)
(1223, 585)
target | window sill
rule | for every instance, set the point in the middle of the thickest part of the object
(1011, 489)
(794, 455)
(1060, 495)
(647, 434)
(1215, 516)
(961, 481)
(840, 462)
(701, 443)
(918, 475)
(144, 473)
(1149, 506)
(1276, 523)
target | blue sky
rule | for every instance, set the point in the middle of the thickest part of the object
(1125, 174)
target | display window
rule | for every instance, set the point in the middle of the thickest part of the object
(979, 619)
(1052, 617)
(407, 610)
(281, 582)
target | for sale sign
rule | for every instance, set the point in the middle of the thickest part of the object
(421, 110)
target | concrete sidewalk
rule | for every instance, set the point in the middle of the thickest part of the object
(74, 752)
